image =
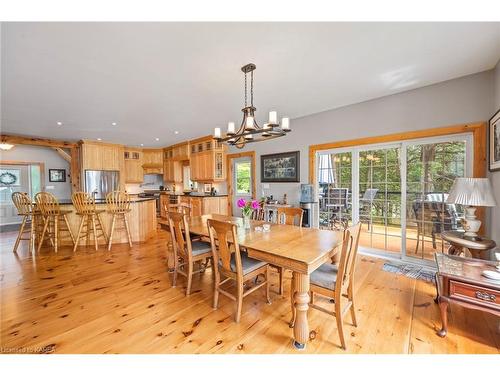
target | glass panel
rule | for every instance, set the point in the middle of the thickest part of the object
(243, 177)
(380, 199)
(335, 189)
(431, 170)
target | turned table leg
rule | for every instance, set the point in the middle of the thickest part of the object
(443, 306)
(301, 297)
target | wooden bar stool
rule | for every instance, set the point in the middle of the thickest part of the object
(118, 205)
(54, 219)
(90, 218)
(26, 209)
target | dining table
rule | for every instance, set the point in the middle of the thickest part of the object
(299, 249)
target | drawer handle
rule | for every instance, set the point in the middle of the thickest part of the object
(485, 296)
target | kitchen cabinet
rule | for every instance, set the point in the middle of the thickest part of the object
(153, 161)
(134, 172)
(207, 160)
(172, 171)
(196, 206)
(101, 156)
(205, 205)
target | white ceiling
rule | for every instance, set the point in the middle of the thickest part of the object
(157, 78)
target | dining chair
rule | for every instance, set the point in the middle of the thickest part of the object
(118, 205)
(288, 216)
(336, 281)
(186, 252)
(85, 207)
(260, 213)
(54, 218)
(26, 209)
(233, 264)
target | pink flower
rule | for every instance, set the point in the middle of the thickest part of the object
(255, 205)
(241, 203)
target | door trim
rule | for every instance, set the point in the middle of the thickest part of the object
(229, 174)
(28, 163)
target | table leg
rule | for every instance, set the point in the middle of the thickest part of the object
(443, 306)
(301, 327)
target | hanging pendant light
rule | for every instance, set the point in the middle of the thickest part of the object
(249, 130)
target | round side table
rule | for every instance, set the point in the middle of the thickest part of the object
(478, 248)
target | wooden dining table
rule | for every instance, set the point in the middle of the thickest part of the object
(299, 249)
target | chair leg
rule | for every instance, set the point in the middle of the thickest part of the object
(32, 235)
(353, 310)
(110, 239)
(102, 228)
(69, 229)
(281, 271)
(46, 223)
(96, 245)
(239, 302)
(268, 282)
(128, 230)
(340, 328)
(189, 278)
(21, 230)
(56, 232)
(216, 284)
(87, 242)
(82, 221)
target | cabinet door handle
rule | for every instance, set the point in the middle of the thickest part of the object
(485, 296)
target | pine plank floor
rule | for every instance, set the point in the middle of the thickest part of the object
(122, 302)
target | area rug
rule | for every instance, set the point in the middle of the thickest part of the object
(412, 271)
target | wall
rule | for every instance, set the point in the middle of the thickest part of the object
(495, 176)
(51, 159)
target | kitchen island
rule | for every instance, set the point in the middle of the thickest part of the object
(201, 204)
(142, 220)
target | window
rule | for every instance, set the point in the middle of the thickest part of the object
(243, 177)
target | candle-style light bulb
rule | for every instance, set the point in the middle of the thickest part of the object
(249, 123)
(230, 128)
(285, 123)
(217, 133)
(273, 117)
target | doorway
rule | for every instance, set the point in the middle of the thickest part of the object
(241, 179)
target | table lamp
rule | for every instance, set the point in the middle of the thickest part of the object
(471, 193)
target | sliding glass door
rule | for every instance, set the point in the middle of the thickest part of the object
(398, 191)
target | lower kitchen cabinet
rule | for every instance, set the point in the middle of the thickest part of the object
(208, 205)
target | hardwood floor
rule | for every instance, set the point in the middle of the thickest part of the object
(121, 302)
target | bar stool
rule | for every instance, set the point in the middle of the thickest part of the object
(118, 205)
(54, 218)
(25, 208)
(90, 218)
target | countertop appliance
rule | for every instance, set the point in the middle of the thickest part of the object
(100, 183)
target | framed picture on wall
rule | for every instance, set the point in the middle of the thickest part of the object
(282, 167)
(494, 163)
(57, 175)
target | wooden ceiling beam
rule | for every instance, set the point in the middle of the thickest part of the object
(34, 141)
(63, 154)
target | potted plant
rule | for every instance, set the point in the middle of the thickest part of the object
(247, 208)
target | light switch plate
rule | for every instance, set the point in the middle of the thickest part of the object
(49, 187)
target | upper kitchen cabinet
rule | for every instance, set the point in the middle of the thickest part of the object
(207, 160)
(101, 156)
(134, 172)
(180, 151)
(153, 161)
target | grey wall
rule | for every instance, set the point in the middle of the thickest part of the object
(46, 155)
(495, 176)
(458, 101)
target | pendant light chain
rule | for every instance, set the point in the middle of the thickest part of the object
(245, 89)
(251, 88)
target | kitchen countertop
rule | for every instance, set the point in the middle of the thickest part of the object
(200, 195)
(103, 201)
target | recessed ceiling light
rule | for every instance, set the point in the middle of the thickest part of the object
(99, 139)
(113, 123)
(176, 132)
(157, 139)
(59, 123)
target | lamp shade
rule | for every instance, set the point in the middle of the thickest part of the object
(471, 192)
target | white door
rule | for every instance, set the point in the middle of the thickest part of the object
(13, 178)
(242, 182)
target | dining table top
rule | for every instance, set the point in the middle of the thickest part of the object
(297, 248)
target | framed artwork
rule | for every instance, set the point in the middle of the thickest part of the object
(282, 167)
(494, 162)
(57, 175)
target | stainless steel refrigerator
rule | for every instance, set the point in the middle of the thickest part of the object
(100, 183)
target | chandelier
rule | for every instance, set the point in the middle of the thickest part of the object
(249, 130)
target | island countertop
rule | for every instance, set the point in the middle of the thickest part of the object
(103, 201)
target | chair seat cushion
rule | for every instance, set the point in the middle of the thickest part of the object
(200, 247)
(247, 264)
(325, 276)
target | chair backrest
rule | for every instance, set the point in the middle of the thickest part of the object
(260, 213)
(226, 234)
(185, 208)
(338, 197)
(179, 230)
(83, 202)
(47, 203)
(348, 257)
(290, 216)
(23, 204)
(118, 201)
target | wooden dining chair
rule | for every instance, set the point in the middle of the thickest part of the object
(90, 218)
(288, 216)
(260, 213)
(54, 218)
(233, 264)
(26, 209)
(186, 252)
(336, 281)
(118, 206)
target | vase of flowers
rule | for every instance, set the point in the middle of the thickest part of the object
(247, 208)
